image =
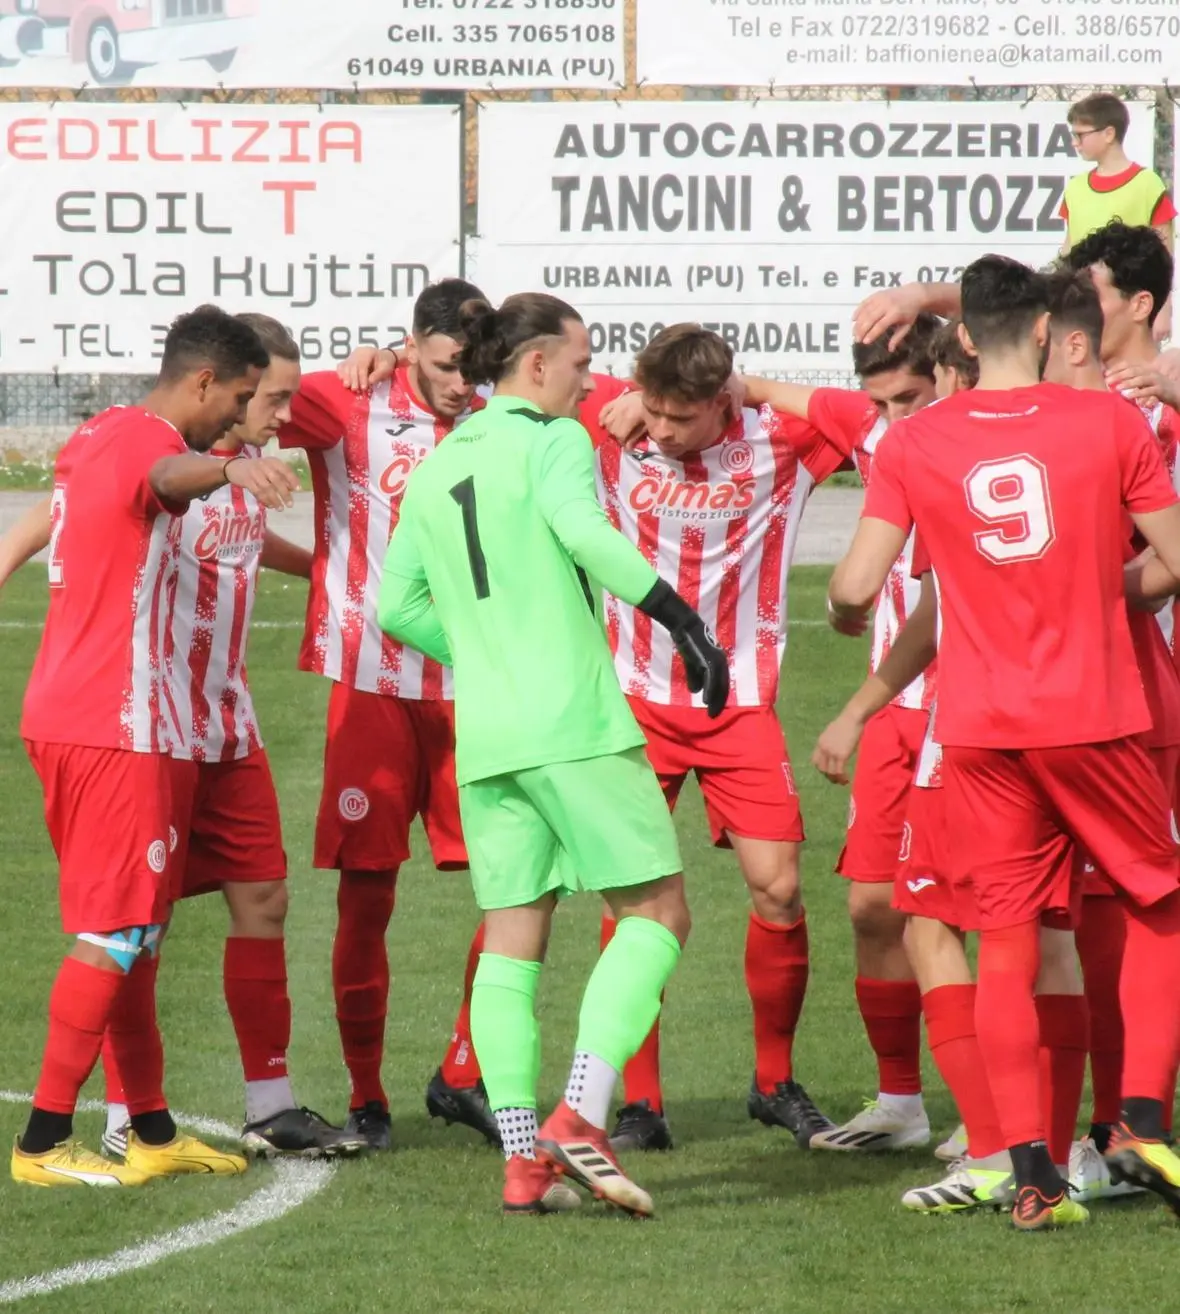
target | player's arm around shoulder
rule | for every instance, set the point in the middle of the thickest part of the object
(405, 608)
(563, 481)
(885, 523)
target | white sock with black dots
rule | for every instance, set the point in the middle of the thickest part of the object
(518, 1132)
(591, 1085)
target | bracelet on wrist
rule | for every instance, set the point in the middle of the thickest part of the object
(229, 460)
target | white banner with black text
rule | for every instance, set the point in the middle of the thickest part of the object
(117, 218)
(767, 221)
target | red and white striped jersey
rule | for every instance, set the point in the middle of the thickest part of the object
(850, 420)
(100, 676)
(220, 553)
(362, 450)
(720, 526)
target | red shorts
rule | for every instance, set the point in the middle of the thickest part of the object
(108, 813)
(740, 761)
(925, 884)
(1021, 813)
(1167, 763)
(387, 761)
(885, 767)
(226, 816)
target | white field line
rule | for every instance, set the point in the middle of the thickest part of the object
(293, 1184)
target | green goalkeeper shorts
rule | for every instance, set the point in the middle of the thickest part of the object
(598, 824)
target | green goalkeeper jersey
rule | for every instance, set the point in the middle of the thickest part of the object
(486, 570)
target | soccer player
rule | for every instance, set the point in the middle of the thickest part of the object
(389, 755)
(714, 499)
(897, 378)
(1038, 752)
(499, 527)
(225, 813)
(940, 909)
(225, 810)
(120, 486)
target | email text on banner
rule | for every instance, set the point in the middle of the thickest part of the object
(835, 42)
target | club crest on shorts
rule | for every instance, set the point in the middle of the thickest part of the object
(851, 813)
(173, 839)
(737, 457)
(907, 839)
(157, 856)
(354, 804)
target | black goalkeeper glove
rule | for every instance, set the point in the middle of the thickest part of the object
(705, 664)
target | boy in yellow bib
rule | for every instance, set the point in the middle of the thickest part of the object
(1116, 188)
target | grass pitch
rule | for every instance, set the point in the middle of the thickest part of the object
(746, 1221)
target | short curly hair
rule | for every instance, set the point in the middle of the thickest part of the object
(1137, 259)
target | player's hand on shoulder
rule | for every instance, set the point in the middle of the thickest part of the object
(835, 747)
(366, 367)
(1144, 383)
(892, 311)
(1168, 364)
(623, 419)
(271, 480)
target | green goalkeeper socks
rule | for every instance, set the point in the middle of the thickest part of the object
(504, 1030)
(622, 997)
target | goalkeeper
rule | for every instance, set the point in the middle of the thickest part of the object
(486, 571)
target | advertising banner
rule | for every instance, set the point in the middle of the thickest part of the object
(757, 43)
(117, 218)
(408, 44)
(768, 221)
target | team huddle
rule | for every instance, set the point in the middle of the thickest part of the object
(543, 598)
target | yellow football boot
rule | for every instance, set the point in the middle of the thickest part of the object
(183, 1154)
(71, 1164)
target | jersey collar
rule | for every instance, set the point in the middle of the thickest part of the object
(502, 401)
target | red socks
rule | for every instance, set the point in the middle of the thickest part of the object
(1008, 1030)
(1101, 937)
(460, 1068)
(255, 973)
(776, 977)
(1150, 996)
(80, 1005)
(950, 1031)
(641, 1075)
(892, 1014)
(360, 977)
(1064, 1044)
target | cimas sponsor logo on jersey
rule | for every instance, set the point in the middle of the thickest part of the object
(230, 534)
(665, 493)
(397, 472)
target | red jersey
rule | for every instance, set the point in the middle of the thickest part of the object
(1019, 496)
(362, 450)
(720, 525)
(220, 552)
(850, 420)
(100, 676)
